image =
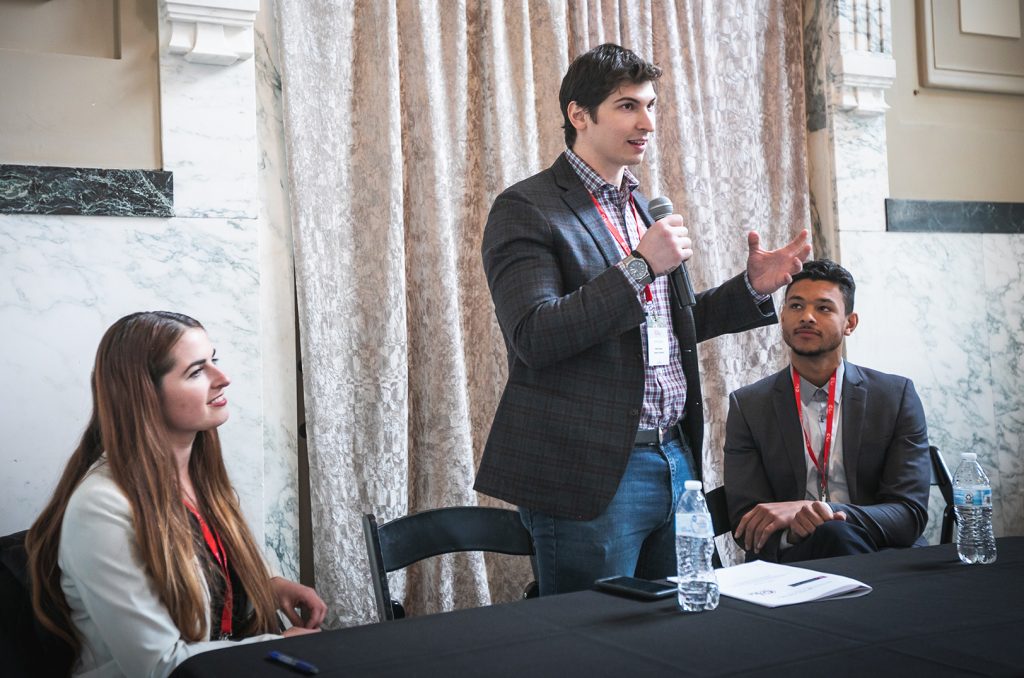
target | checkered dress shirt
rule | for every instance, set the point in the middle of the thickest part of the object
(665, 385)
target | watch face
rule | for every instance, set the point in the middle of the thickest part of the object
(638, 269)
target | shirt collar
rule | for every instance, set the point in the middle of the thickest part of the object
(593, 181)
(809, 390)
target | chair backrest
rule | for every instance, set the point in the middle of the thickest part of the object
(719, 510)
(409, 539)
(944, 481)
(26, 648)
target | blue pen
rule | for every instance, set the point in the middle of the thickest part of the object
(293, 663)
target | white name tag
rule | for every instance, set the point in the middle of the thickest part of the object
(657, 341)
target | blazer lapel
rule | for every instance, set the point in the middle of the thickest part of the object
(854, 404)
(789, 429)
(578, 199)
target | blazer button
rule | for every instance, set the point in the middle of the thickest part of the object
(634, 412)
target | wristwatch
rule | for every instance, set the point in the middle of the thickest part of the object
(638, 269)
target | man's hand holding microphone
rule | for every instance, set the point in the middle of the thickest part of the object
(666, 246)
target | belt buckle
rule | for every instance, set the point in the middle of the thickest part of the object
(661, 435)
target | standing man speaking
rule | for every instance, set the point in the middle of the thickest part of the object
(600, 422)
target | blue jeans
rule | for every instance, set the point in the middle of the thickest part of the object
(635, 536)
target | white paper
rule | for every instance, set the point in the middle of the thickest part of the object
(774, 585)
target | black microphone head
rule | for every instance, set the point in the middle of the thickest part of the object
(659, 207)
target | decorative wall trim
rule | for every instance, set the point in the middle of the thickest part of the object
(32, 189)
(214, 32)
(951, 216)
(861, 82)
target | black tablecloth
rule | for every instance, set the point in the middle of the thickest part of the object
(928, 615)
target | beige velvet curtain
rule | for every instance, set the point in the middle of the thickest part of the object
(403, 120)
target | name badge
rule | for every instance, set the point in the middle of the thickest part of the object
(657, 341)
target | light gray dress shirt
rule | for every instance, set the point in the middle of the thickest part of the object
(814, 404)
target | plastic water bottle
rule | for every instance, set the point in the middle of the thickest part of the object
(972, 501)
(695, 547)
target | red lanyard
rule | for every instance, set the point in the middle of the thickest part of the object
(220, 556)
(618, 236)
(822, 466)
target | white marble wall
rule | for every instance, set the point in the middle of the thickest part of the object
(1003, 259)
(208, 123)
(277, 308)
(224, 259)
(70, 278)
(947, 310)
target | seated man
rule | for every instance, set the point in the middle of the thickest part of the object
(865, 429)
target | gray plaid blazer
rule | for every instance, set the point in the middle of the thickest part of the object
(566, 422)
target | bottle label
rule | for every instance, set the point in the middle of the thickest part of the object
(694, 525)
(972, 496)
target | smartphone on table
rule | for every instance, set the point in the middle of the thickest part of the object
(633, 587)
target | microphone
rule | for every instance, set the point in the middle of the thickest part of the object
(679, 278)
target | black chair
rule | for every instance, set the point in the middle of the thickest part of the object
(26, 648)
(944, 481)
(719, 510)
(409, 539)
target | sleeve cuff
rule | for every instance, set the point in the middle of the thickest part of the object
(758, 297)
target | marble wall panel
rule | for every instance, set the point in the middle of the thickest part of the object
(923, 305)
(954, 216)
(32, 189)
(824, 234)
(861, 171)
(865, 25)
(70, 278)
(816, 37)
(208, 132)
(1003, 258)
(277, 308)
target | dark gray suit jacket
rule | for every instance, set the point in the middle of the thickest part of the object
(885, 454)
(568, 417)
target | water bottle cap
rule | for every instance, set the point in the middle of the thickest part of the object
(969, 456)
(693, 485)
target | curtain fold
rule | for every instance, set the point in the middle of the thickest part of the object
(403, 120)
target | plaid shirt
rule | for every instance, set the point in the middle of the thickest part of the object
(665, 385)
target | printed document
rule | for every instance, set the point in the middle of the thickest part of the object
(774, 585)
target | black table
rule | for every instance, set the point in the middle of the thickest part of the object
(928, 615)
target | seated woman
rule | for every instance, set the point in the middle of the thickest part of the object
(142, 556)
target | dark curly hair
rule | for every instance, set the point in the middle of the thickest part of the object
(826, 269)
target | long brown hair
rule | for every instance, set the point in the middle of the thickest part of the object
(127, 424)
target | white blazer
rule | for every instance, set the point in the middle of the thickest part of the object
(125, 628)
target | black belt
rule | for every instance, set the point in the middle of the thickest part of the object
(656, 436)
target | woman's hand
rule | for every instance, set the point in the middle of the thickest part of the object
(292, 596)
